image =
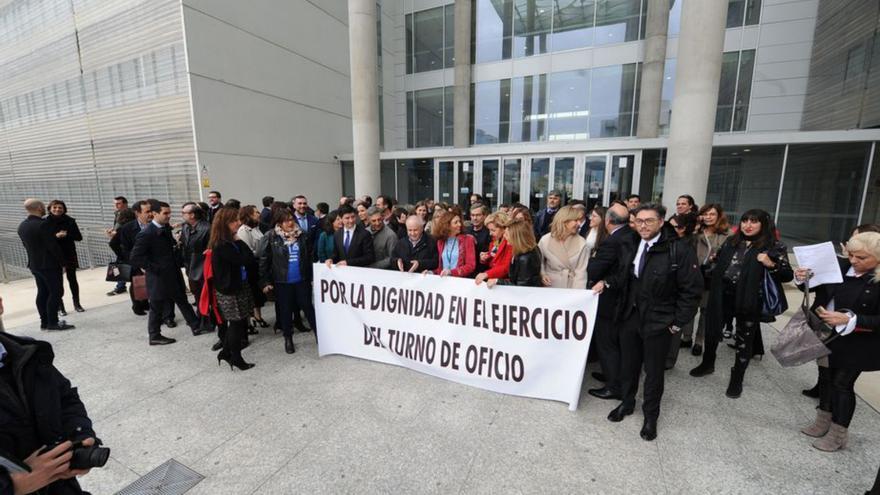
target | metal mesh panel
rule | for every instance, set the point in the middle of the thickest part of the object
(93, 104)
(171, 478)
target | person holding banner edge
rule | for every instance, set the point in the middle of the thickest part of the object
(417, 251)
(525, 266)
(353, 245)
(660, 288)
(457, 251)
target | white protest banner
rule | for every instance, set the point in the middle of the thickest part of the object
(524, 341)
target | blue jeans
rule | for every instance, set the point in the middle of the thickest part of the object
(120, 286)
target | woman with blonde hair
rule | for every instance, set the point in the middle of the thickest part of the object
(525, 267)
(852, 308)
(498, 257)
(564, 252)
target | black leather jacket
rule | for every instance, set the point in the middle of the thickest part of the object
(194, 242)
(274, 259)
(525, 270)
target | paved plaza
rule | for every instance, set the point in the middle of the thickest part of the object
(300, 424)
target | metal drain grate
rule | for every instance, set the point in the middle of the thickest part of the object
(171, 478)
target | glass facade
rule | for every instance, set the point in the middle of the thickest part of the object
(742, 178)
(490, 112)
(528, 112)
(429, 117)
(430, 43)
(415, 180)
(734, 91)
(743, 13)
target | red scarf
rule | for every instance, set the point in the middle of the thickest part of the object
(208, 299)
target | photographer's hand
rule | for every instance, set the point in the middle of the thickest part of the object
(45, 469)
(70, 473)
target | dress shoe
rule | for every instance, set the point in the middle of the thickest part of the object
(702, 370)
(697, 350)
(599, 376)
(197, 330)
(301, 326)
(139, 312)
(685, 344)
(78, 308)
(620, 412)
(170, 323)
(161, 340)
(62, 312)
(217, 346)
(649, 430)
(116, 292)
(61, 325)
(812, 393)
(288, 345)
(603, 393)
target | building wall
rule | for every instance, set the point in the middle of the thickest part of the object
(271, 95)
(93, 104)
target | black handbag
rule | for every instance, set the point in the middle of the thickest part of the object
(118, 272)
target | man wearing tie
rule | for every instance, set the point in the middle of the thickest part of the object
(660, 288)
(353, 244)
(306, 221)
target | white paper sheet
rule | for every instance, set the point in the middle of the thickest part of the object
(822, 259)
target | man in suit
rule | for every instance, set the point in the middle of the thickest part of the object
(417, 251)
(584, 222)
(214, 204)
(480, 232)
(44, 261)
(544, 218)
(660, 288)
(604, 266)
(194, 237)
(120, 204)
(306, 221)
(353, 244)
(154, 253)
(127, 233)
(387, 204)
(266, 214)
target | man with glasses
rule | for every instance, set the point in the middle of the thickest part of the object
(214, 204)
(127, 233)
(661, 287)
(194, 236)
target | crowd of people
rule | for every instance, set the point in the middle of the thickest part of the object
(666, 283)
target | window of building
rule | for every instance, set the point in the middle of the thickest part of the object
(743, 13)
(430, 44)
(569, 105)
(612, 101)
(531, 26)
(429, 117)
(743, 178)
(651, 177)
(573, 24)
(493, 30)
(734, 91)
(822, 191)
(528, 108)
(415, 180)
(618, 21)
(490, 112)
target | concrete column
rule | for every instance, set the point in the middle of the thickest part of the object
(364, 62)
(652, 68)
(697, 74)
(461, 123)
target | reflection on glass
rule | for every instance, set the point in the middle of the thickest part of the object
(465, 183)
(666, 94)
(572, 24)
(563, 177)
(347, 177)
(822, 192)
(428, 39)
(569, 105)
(387, 179)
(429, 117)
(415, 180)
(726, 92)
(674, 18)
(448, 115)
(622, 167)
(449, 36)
(617, 21)
(510, 188)
(531, 26)
(491, 111)
(743, 89)
(528, 97)
(743, 12)
(594, 180)
(611, 100)
(651, 178)
(871, 213)
(742, 178)
(493, 28)
(540, 173)
(447, 181)
(410, 120)
(409, 43)
(490, 183)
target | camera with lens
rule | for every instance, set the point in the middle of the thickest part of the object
(84, 457)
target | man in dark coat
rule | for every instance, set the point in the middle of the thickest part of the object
(480, 233)
(214, 204)
(604, 266)
(417, 251)
(194, 236)
(353, 245)
(544, 218)
(155, 254)
(661, 286)
(124, 243)
(307, 222)
(45, 261)
(38, 407)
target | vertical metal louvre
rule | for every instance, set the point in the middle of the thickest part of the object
(93, 104)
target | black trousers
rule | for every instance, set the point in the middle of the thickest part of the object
(49, 287)
(74, 285)
(837, 393)
(160, 308)
(638, 349)
(290, 299)
(607, 347)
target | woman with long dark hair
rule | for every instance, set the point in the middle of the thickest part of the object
(597, 232)
(65, 229)
(229, 258)
(686, 204)
(738, 290)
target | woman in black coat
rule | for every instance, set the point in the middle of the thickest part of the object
(229, 257)
(67, 232)
(525, 264)
(737, 291)
(853, 309)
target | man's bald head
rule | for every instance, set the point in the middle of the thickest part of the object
(414, 227)
(35, 207)
(616, 216)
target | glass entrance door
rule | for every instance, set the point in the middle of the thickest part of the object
(464, 184)
(539, 178)
(445, 181)
(594, 180)
(489, 168)
(563, 177)
(623, 167)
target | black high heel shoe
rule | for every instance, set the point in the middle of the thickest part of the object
(224, 356)
(261, 323)
(251, 328)
(242, 365)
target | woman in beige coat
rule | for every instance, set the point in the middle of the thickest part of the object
(564, 252)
